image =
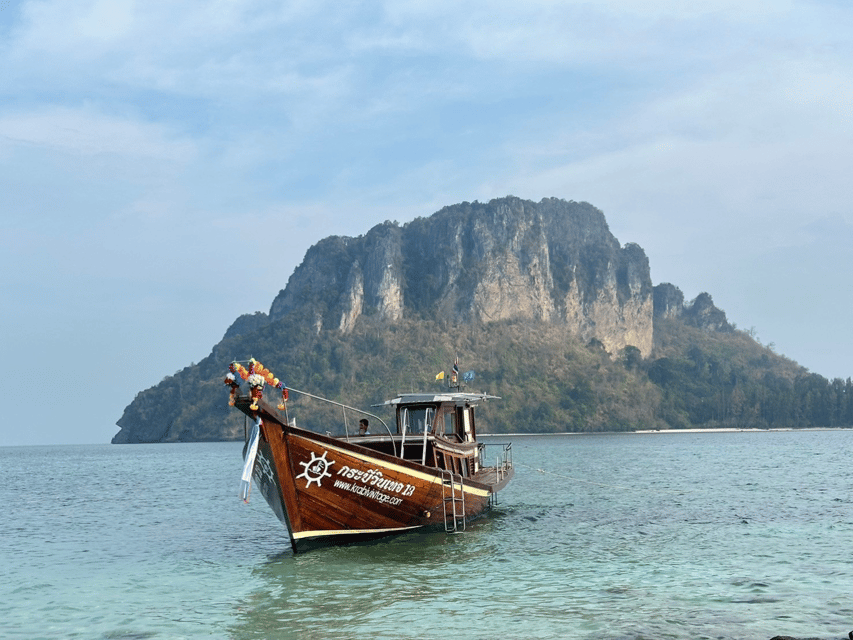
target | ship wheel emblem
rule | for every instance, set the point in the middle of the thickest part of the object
(316, 469)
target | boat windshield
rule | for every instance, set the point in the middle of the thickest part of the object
(417, 419)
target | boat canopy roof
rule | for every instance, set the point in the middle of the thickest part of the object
(456, 398)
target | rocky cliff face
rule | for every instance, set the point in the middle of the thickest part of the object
(551, 265)
(509, 259)
(701, 312)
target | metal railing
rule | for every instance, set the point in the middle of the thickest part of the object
(503, 459)
(346, 406)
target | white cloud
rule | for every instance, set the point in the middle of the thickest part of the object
(86, 132)
(580, 32)
(107, 20)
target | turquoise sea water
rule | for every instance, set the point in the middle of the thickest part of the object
(635, 536)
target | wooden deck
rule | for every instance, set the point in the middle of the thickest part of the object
(490, 477)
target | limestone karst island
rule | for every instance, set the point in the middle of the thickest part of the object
(539, 298)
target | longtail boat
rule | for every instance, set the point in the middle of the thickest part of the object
(427, 471)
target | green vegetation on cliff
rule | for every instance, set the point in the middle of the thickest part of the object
(548, 379)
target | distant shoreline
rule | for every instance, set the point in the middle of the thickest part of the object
(741, 430)
(654, 431)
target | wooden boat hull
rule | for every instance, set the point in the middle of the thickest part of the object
(330, 491)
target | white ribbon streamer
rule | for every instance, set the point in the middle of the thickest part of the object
(249, 461)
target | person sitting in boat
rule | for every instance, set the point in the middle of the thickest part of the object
(362, 427)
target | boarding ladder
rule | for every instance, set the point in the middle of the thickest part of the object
(454, 501)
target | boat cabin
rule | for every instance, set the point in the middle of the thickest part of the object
(436, 430)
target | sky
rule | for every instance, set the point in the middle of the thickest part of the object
(164, 166)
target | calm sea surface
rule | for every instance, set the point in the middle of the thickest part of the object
(643, 536)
